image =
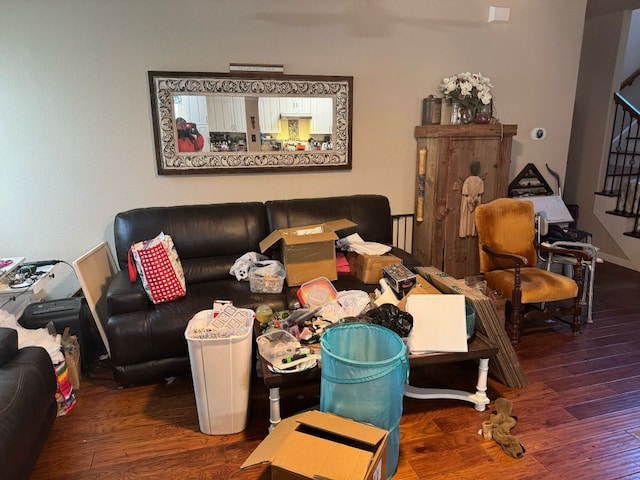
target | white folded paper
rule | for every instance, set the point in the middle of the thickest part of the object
(355, 243)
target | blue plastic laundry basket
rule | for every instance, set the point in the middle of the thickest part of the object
(364, 370)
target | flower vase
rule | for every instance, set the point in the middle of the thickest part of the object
(466, 115)
(483, 114)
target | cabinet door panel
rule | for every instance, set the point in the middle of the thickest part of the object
(452, 150)
(295, 106)
(462, 255)
(322, 116)
(460, 252)
(227, 114)
(269, 114)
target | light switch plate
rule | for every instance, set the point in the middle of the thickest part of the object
(499, 14)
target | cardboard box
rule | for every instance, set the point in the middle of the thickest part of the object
(399, 278)
(316, 445)
(422, 286)
(308, 252)
(499, 302)
(368, 268)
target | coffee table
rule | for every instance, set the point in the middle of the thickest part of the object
(480, 348)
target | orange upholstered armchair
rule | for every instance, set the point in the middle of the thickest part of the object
(508, 256)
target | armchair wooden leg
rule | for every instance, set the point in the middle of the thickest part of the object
(516, 312)
(577, 315)
(577, 302)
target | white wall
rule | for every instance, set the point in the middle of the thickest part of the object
(600, 75)
(76, 141)
(632, 53)
(632, 59)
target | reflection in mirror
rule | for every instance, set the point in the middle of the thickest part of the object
(285, 123)
(210, 123)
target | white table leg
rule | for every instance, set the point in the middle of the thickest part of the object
(274, 407)
(479, 398)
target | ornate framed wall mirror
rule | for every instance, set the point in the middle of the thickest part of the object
(247, 123)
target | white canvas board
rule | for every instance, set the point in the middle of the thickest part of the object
(439, 323)
(551, 206)
(95, 270)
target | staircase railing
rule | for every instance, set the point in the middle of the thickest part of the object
(623, 170)
(629, 80)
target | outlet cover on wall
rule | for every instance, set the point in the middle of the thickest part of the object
(499, 14)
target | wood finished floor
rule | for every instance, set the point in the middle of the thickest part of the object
(579, 417)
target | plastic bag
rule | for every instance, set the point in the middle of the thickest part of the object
(156, 261)
(391, 317)
(348, 303)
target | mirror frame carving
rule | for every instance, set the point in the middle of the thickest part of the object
(164, 85)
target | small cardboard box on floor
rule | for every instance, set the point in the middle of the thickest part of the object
(308, 252)
(368, 268)
(322, 445)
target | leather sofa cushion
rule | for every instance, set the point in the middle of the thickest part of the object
(125, 296)
(8, 344)
(158, 332)
(208, 238)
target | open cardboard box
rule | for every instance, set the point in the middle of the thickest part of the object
(422, 286)
(308, 252)
(320, 445)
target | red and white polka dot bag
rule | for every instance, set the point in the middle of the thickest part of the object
(157, 262)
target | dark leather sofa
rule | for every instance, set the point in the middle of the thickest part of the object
(27, 405)
(147, 341)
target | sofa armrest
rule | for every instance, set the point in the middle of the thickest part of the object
(125, 296)
(8, 344)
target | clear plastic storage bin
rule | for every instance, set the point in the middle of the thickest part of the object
(268, 284)
(267, 277)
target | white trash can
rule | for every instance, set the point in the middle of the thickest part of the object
(220, 357)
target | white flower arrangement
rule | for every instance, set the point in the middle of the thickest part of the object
(470, 89)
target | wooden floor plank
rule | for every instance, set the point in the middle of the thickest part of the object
(616, 465)
(583, 451)
(602, 406)
(592, 378)
(539, 437)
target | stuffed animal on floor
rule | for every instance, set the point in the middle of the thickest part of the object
(501, 424)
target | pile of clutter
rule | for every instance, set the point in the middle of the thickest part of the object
(286, 337)
(63, 351)
(222, 321)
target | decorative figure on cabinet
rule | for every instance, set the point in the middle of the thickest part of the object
(472, 190)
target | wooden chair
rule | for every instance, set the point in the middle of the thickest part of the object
(508, 257)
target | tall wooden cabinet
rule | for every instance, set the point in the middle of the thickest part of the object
(450, 153)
